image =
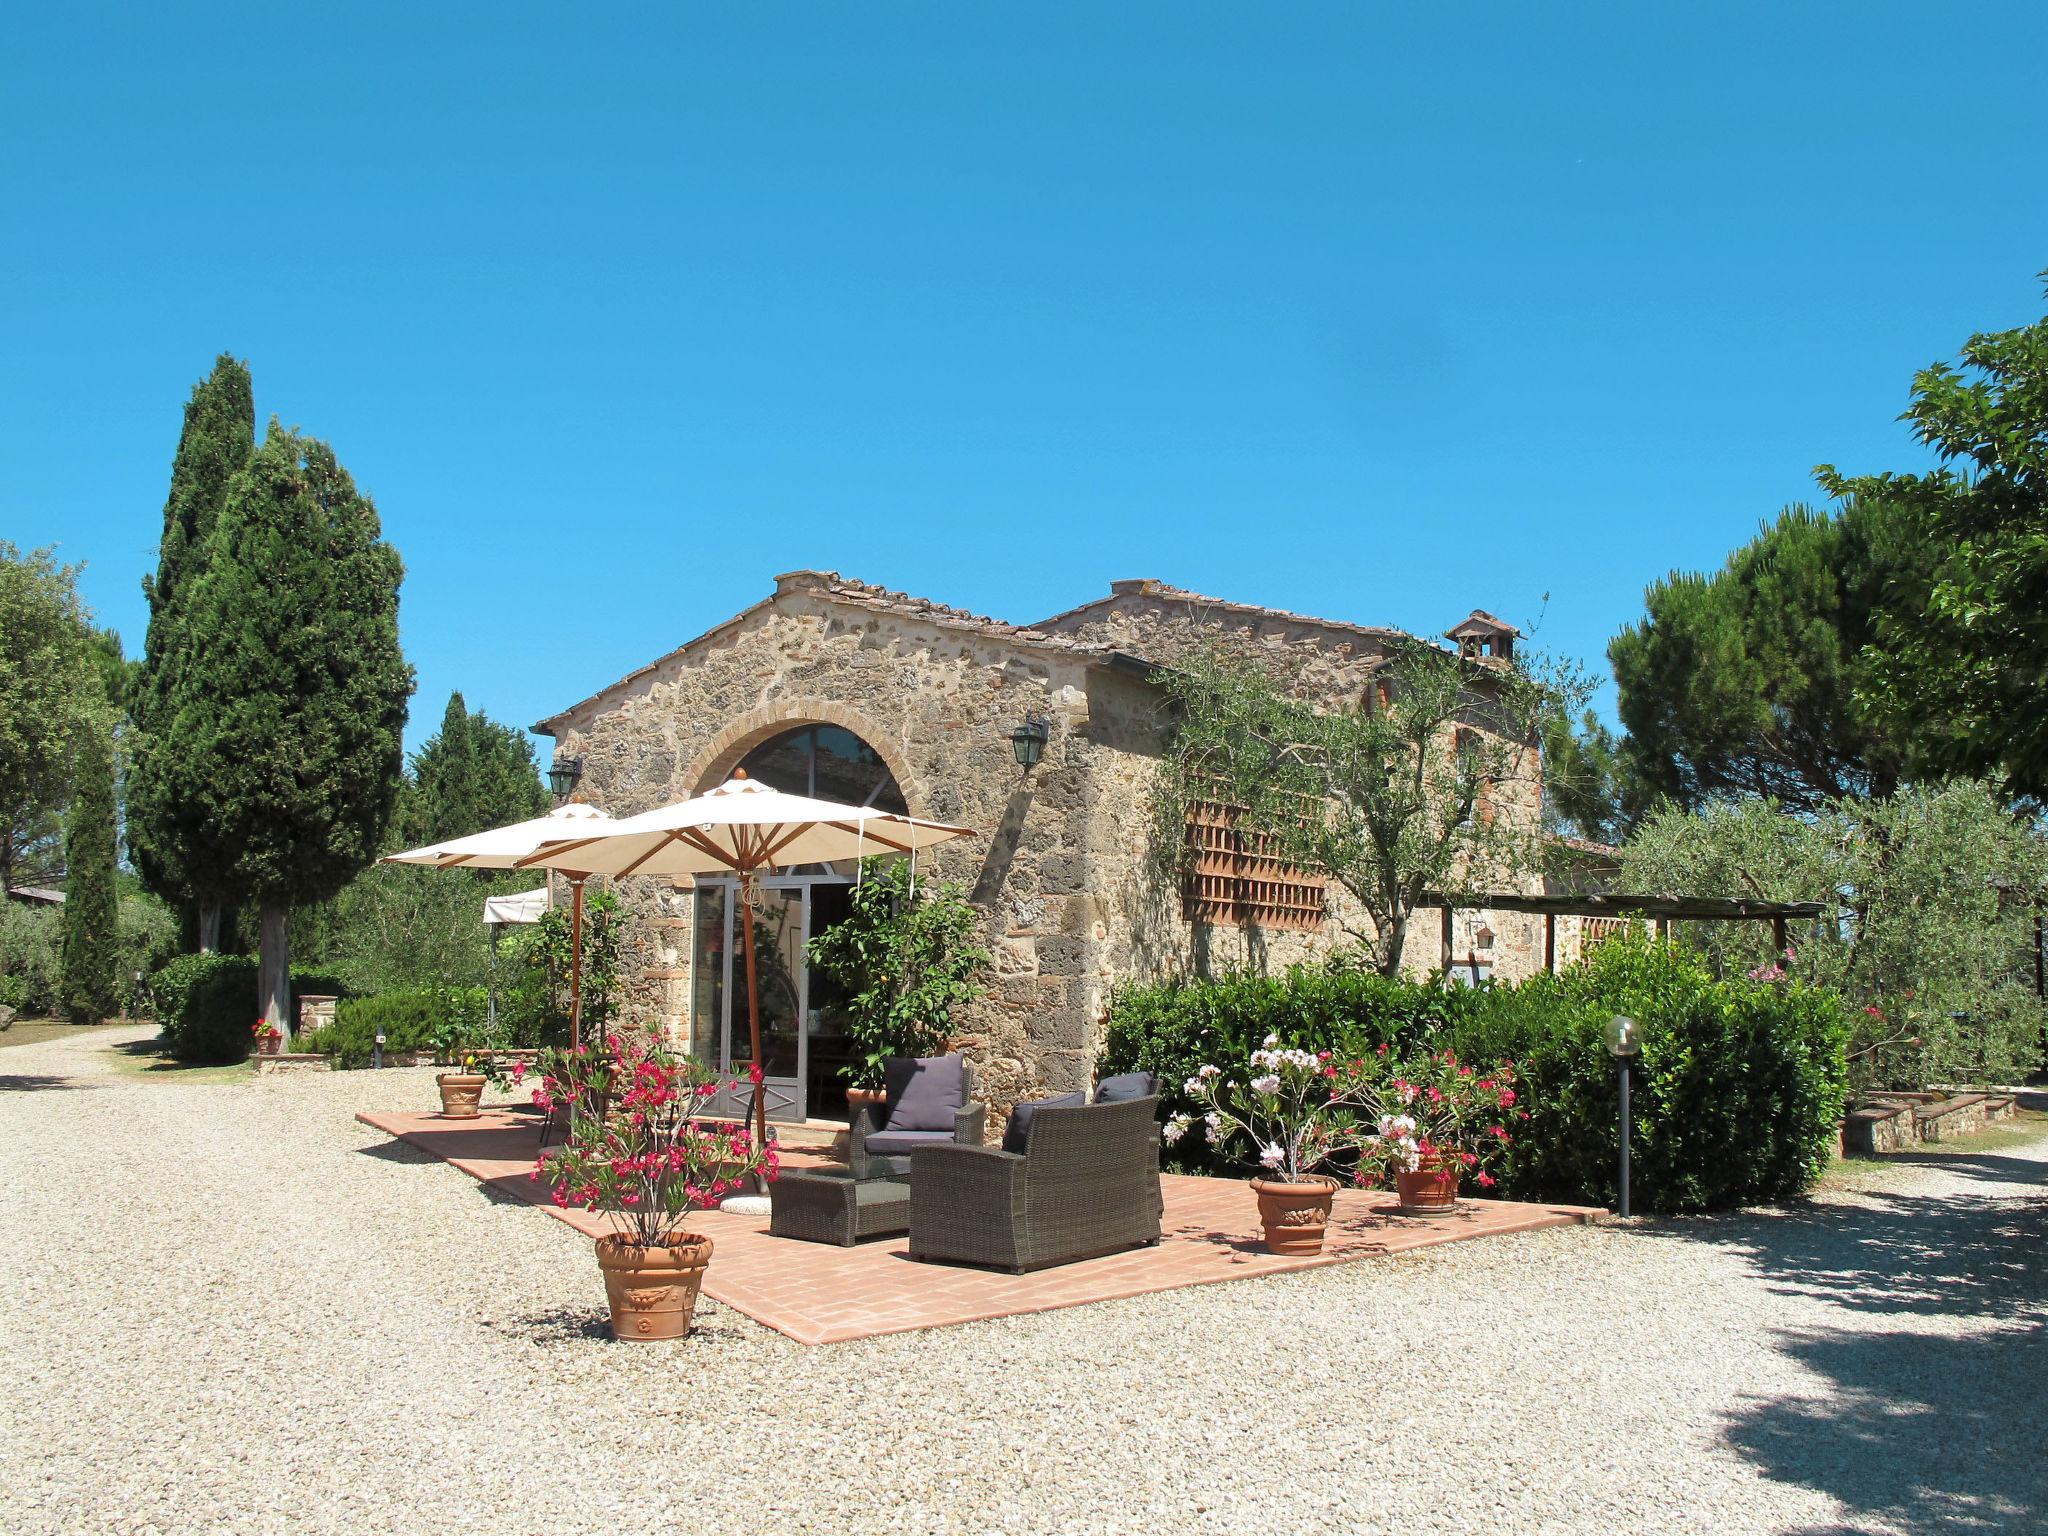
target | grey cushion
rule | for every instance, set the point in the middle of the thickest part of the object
(925, 1093)
(1018, 1131)
(1126, 1085)
(895, 1143)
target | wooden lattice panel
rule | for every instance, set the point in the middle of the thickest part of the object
(1234, 876)
(1598, 930)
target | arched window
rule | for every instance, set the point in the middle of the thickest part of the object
(827, 762)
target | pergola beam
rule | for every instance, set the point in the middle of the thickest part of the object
(1707, 909)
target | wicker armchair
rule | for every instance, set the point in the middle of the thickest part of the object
(874, 1151)
(1086, 1184)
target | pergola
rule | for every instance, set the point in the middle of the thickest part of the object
(1661, 910)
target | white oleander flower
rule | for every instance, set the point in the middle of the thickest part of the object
(1266, 1086)
(1212, 1122)
(1175, 1128)
(1273, 1155)
(1271, 1041)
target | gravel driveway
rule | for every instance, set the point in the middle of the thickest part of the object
(230, 1308)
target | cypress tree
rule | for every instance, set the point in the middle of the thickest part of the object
(297, 712)
(89, 959)
(445, 775)
(168, 833)
(472, 774)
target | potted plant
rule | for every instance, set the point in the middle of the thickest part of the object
(906, 955)
(1434, 1119)
(460, 1041)
(1290, 1111)
(269, 1038)
(646, 1165)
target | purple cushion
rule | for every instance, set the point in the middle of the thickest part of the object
(1126, 1085)
(899, 1143)
(925, 1093)
(1018, 1131)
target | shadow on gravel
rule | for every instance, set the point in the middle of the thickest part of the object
(18, 1082)
(156, 1057)
(714, 1325)
(506, 1189)
(1923, 1431)
(1989, 1167)
(1921, 1428)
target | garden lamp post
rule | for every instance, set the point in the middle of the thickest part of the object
(1621, 1045)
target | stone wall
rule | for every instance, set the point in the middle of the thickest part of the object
(1065, 865)
(937, 702)
(1332, 665)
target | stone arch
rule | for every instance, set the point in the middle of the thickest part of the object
(740, 736)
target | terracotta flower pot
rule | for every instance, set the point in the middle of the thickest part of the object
(269, 1045)
(1428, 1191)
(461, 1095)
(1295, 1216)
(653, 1291)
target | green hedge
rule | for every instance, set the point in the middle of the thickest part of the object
(410, 1018)
(206, 1004)
(427, 1018)
(1736, 1097)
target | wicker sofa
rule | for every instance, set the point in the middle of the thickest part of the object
(1086, 1184)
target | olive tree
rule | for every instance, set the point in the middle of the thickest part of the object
(1425, 785)
(1931, 897)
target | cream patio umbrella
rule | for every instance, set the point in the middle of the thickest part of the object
(506, 848)
(745, 828)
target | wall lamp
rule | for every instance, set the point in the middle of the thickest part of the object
(564, 774)
(1028, 738)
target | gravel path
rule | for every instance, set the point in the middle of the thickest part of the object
(230, 1308)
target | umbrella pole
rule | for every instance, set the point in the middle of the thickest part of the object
(760, 1115)
(576, 959)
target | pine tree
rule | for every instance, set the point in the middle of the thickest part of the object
(168, 833)
(296, 706)
(1753, 680)
(91, 942)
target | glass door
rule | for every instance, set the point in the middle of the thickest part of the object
(720, 1027)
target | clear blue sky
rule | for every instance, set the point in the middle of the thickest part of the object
(1375, 311)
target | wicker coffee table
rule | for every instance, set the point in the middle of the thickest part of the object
(825, 1205)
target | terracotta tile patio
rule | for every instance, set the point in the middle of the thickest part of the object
(820, 1294)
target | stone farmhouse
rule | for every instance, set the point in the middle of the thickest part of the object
(833, 687)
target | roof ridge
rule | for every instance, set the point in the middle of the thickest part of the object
(1150, 587)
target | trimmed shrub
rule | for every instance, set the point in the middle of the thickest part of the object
(1174, 1027)
(206, 1004)
(412, 1019)
(1736, 1095)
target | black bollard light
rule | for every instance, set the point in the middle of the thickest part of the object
(1622, 1043)
(377, 1056)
